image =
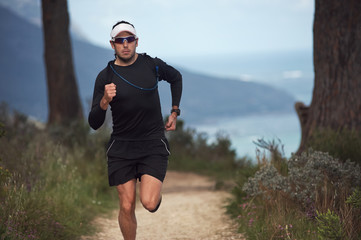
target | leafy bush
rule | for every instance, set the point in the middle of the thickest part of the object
(312, 177)
(49, 189)
(355, 198)
(191, 151)
(342, 144)
(4, 179)
(318, 177)
(266, 179)
(329, 226)
(285, 193)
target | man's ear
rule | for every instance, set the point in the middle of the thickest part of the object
(112, 44)
(136, 43)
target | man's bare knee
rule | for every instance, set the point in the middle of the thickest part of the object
(127, 208)
(126, 194)
(151, 204)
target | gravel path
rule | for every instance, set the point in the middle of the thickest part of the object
(191, 209)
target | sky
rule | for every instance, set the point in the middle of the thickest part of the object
(200, 28)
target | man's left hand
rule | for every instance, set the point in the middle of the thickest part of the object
(171, 123)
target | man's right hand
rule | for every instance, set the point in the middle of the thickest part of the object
(109, 93)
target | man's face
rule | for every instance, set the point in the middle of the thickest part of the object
(126, 50)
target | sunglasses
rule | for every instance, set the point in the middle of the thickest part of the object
(121, 40)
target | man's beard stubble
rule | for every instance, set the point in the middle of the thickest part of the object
(125, 60)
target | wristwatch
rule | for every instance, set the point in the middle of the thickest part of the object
(176, 110)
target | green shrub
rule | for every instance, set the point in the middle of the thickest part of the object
(4, 179)
(329, 226)
(355, 198)
(343, 144)
(59, 203)
(192, 151)
(318, 177)
(312, 177)
(49, 189)
(292, 195)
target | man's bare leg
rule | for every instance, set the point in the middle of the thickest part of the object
(126, 218)
(150, 192)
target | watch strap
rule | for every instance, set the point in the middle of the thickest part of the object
(176, 110)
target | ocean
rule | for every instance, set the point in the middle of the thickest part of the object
(244, 131)
(291, 71)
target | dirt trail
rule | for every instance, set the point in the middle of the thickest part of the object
(190, 209)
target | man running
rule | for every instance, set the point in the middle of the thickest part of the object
(137, 147)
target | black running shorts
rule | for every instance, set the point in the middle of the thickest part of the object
(131, 159)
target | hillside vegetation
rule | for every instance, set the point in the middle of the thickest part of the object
(311, 196)
(53, 182)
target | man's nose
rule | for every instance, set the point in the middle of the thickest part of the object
(125, 43)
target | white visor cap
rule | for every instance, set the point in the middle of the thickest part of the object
(122, 27)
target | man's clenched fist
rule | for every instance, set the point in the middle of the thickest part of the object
(109, 93)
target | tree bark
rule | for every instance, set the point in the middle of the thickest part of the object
(63, 98)
(336, 101)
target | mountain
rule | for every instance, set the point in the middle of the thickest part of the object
(23, 83)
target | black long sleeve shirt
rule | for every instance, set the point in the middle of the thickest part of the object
(136, 113)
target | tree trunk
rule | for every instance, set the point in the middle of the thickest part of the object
(336, 101)
(63, 97)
